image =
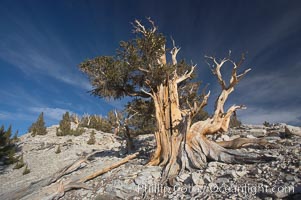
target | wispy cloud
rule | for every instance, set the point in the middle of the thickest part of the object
(29, 46)
(255, 115)
(17, 116)
(50, 113)
(272, 96)
(279, 86)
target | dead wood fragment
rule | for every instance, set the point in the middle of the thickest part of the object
(79, 183)
(35, 186)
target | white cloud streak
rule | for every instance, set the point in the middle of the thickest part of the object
(255, 115)
(272, 97)
(50, 113)
(30, 48)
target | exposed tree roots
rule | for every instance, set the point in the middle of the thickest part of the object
(199, 150)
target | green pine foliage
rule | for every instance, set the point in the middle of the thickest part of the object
(65, 127)
(140, 117)
(266, 124)
(38, 127)
(65, 124)
(125, 73)
(7, 145)
(97, 122)
(77, 132)
(92, 139)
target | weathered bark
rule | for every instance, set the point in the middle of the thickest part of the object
(181, 145)
(241, 142)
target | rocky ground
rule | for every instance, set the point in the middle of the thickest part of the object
(279, 179)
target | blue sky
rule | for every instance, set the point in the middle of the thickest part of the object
(43, 42)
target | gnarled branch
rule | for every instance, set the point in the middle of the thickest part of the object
(186, 75)
(174, 51)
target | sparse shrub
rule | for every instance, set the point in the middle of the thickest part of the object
(26, 170)
(78, 131)
(266, 124)
(92, 139)
(15, 138)
(97, 122)
(20, 163)
(234, 122)
(38, 127)
(65, 126)
(58, 150)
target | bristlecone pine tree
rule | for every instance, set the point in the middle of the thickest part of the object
(7, 145)
(38, 127)
(140, 69)
(65, 126)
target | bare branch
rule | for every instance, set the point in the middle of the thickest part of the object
(154, 28)
(197, 108)
(139, 28)
(186, 75)
(174, 51)
(148, 93)
(216, 70)
(239, 77)
(143, 70)
(118, 123)
(162, 59)
(234, 77)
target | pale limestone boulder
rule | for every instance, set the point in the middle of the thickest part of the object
(292, 130)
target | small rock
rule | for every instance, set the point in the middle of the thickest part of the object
(241, 173)
(292, 130)
(143, 180)
(258, 132)
(234, 137)
(281, 194)
(251, 136)
(222, 180)
(156, 175)
(211, 170)
(197, 179)
(225, 137)
(207, 178)
(185, 178)
(289, 177)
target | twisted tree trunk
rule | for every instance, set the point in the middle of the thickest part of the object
(182, 145)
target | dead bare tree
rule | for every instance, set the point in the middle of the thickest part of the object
(75, 119)
(122, 125)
